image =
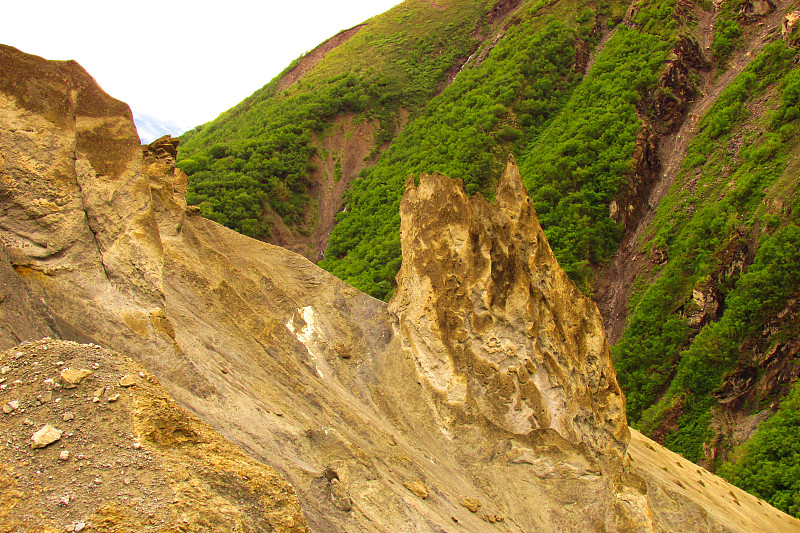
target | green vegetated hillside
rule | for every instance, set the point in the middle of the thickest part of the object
(258, 154)
(582, 93)
(713, 334)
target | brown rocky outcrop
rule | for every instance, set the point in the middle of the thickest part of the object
(497, 329)
(347, 400)
(663, 111)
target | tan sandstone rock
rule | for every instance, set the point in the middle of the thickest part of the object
(45, 436)
(497, 329)
(418, 487)
(72, 377)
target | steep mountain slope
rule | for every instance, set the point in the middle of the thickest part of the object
(657, 141)
(485, 408)
(276, 165)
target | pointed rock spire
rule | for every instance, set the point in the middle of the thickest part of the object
(497, 328)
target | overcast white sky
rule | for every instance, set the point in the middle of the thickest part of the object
(178, 60)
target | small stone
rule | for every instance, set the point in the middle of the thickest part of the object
(471, 503)
(113, 398)
(45, 436)
(72, 377)
(45, 397)
(137, 445)
(418, 487)
(339, 496)
(10, 406)
(98, 481)
(98, 392)
(28, 422)
(64, 455)
(64, 500)
(141, 375)
(127, 381)
(69, 415)
(5, 370)
(49, 384)
(95, 399)
(126, 481)
(80, 526)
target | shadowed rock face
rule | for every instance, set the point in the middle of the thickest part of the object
(497, 329)
(482, 399)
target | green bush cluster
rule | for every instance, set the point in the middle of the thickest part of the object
(575, 168)
(769, 464)
(727, 31)
(660, 358)
(257, 156)
(489, 110)
(260, 155)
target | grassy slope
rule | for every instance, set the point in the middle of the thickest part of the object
(259, 152)
(503, 104)
(737, 191)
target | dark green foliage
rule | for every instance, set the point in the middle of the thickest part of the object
(656, 17)
(465, 132)
(575, 168)
(262, 156)
(646, 356)
(770, 463)
(727, 37)
(660, 358)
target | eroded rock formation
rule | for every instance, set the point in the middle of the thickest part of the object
(481, 400)
(498, 330)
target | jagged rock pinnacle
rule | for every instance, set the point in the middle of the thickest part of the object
(496, 326)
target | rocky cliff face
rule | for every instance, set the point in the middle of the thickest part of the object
(481, 399)
(497, 329)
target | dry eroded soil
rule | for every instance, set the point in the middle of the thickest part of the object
(128, 459)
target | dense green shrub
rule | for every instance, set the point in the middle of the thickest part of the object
(575, 168)
(660, 358)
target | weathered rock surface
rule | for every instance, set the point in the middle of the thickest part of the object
(498, 330)
(249, 337)
(140, 464)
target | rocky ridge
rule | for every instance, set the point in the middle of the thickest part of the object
(496, 326)
(406, 418)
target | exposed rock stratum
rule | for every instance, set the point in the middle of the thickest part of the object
(482, 398)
